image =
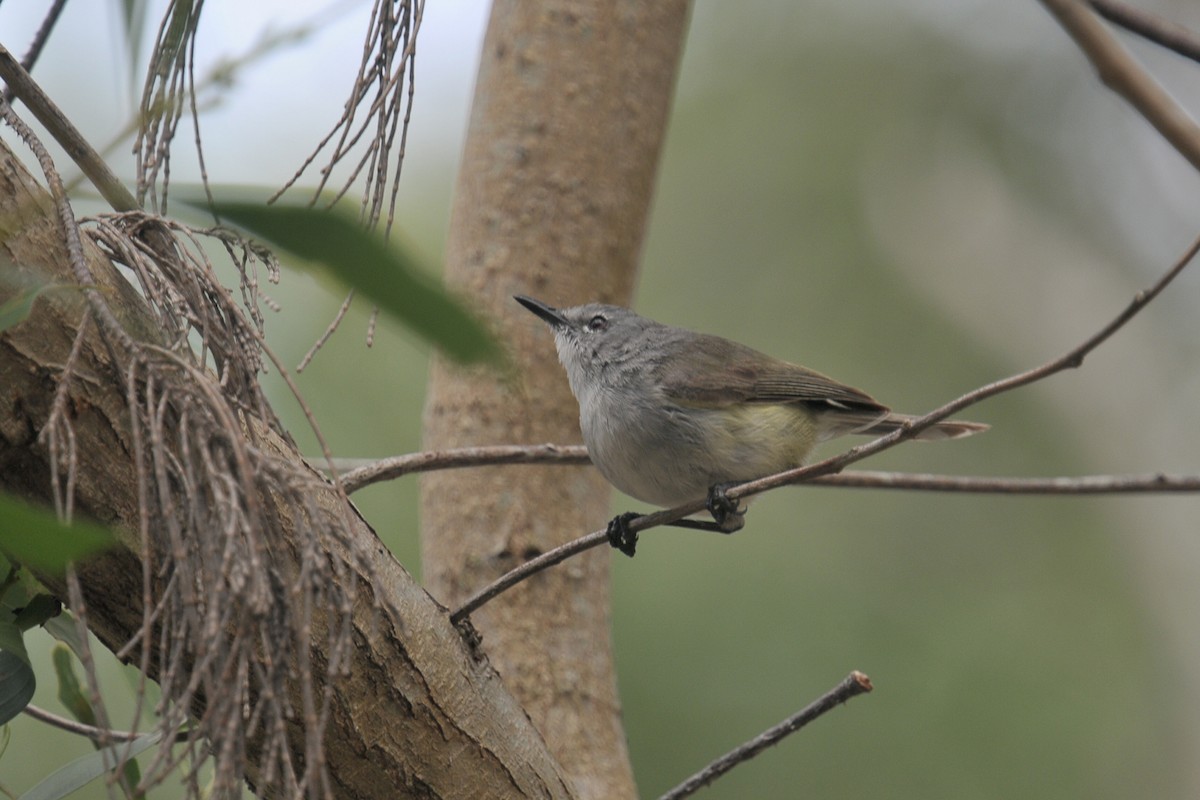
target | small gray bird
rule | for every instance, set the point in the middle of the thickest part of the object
(670, 416)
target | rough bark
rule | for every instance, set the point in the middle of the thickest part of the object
(419, 715)
(568, 121)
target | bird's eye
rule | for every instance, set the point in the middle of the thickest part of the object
(597, 323)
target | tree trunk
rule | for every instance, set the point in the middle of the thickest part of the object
(566, 129)
(420, 714)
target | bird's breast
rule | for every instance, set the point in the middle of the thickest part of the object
(668, 454)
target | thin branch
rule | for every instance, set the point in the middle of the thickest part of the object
(836, 464)
(329, 331)
(1164, 33)
(360, 473)
(851, 686)
(1070, 360)
(1120, 72)
(397, 466)
(65, 133)
(39, 41)
(90, 731)
(551, 557)
(1073, 485)
(865, 479)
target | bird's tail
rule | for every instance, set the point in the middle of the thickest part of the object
(851, 422)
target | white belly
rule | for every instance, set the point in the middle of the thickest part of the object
(667, 455)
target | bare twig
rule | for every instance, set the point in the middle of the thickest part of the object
(204, 466)
(389, 468)
(551, 557)
(382, 94)
(66, 134)
(90, 731)
(169, 79)
(851, 686)
(1072, 485)
(1120, 72)
(376, 115)
(1070, 360)
(365, 472)
(39, 41)
(1153, 28)
(836, 464)
(329, 331)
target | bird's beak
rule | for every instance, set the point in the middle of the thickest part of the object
(550, 314)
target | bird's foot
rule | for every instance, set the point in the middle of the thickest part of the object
(619, 535)
(727, 512)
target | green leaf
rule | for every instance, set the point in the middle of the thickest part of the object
(79, 772)
(388, 275)
(38, 610)
(16, 675)
(133, 23)
(75, 700)
(70, 691)
(65, 629)
(34, 537)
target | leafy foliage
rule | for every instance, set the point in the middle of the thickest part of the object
(389, 275)
(35, 538)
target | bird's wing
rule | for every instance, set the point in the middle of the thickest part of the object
(714, 372)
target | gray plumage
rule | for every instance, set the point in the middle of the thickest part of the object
(667, 413)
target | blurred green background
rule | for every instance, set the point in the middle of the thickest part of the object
(915, 197)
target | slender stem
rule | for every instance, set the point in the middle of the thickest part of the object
(364, 472)
(90, 731)
(1153, 28)
(534, 566)
(397, 466)
(1119, 71)
(39, 41)
(852, 685)
(71, 726)
(65, 133)
(862, 479)
(972, 484)
(1070, 360)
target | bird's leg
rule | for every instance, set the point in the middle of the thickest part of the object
(728, 517)
(619, 535)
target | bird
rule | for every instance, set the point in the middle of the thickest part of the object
(671, 416)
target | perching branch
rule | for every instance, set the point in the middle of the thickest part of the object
(852, 685)
(1070, 360)
(365, 472)
(1119, 71)
(824, 471)
(1153, 28)
(1074, 485)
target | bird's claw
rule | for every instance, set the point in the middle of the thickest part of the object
(619, 535)
(727, 512)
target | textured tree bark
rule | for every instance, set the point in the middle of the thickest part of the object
(566, 129)
(419, 715)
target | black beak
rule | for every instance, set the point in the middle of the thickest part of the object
(550, 314)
